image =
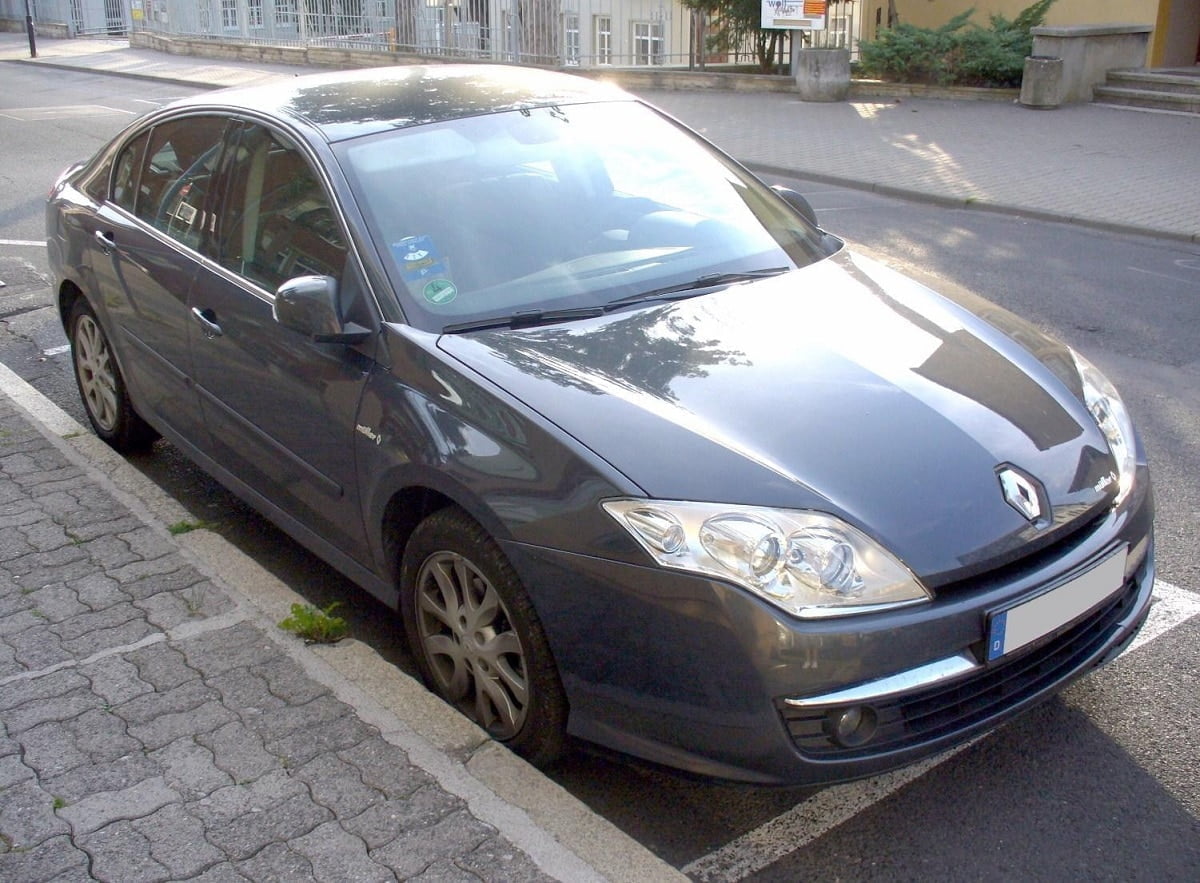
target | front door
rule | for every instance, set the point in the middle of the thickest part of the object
(279, 407)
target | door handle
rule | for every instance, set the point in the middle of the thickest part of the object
(208, 321)
(106, 241)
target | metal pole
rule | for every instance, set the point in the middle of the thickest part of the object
(29, 30)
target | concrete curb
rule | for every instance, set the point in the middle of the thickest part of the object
(565, 838)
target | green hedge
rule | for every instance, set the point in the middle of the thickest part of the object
(958, 53)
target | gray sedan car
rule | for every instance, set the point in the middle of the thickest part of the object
(639, 453)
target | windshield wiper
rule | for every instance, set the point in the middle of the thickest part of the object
(524, 319)
(697, 285)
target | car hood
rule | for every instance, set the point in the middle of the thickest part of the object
(843, 387)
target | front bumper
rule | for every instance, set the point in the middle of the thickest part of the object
(697, 674)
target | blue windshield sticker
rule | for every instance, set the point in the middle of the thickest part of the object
(419, 260)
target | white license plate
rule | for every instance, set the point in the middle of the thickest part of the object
(1011, 629)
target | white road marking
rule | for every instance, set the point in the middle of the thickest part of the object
(57, 350)
(67, 111)
(1164, 276)
(32, 242)
(805, 822)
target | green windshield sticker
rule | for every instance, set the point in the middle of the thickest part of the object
(440, 291)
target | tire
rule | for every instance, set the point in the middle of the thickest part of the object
(101, 385)
(476, 638)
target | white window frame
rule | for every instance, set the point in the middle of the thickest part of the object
(602, 42)
(648, 42)
(571, 42)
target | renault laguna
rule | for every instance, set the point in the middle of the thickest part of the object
(637, 451)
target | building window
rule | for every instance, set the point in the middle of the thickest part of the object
(285, 13)
(571, 38)
(603, 39)
(254, 13)
(229, 15)
(647, 42)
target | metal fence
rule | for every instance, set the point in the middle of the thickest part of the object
(584, 33)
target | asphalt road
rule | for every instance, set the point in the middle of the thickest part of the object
(1101, 783)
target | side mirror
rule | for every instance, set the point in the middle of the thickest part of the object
(309, 305)
(798, 202)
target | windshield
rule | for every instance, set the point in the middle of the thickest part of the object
(561, 208)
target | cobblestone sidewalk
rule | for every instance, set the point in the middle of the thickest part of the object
(149, 730)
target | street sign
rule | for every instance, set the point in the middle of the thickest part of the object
(807, 15)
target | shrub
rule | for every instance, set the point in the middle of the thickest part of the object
(958, 53)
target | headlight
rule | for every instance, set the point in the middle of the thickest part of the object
(1105, 403)
(809, 564)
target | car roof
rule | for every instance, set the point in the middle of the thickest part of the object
(348, 104)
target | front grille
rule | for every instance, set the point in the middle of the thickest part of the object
(923, 715)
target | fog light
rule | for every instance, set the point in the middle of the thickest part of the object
(851, 727)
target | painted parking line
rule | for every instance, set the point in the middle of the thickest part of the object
(39, 243)
(63, 112)
(805, 822)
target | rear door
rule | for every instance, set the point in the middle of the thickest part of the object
(280, 408)
(146, 252)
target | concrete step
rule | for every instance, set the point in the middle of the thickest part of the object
(1155, 81)
(1147, 99)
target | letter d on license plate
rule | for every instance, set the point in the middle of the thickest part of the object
(1011, 629)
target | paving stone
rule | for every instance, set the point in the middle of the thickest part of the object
(53, 685)
(287, 681)
(337, 856)
(96, 591)
(385, 767)
(172, 580)
(39, 569)
(85, 525)
(27, 816)
(497, 859)
(140, 570)
(167, 728)
(8, 661)
(277, 863)
(247, 834)
(100, 810)
(384, 822)
(18, 514)
(227, 804)
(37, 647)
(148, 707)
(239, 751)
(120, 852)
(115, 680)
(287, 719)
(109, 618)
(52, 708)
(414, 851)
(337, 785)
(13, 770)
(50, 751)
(246, 691)
(166, 610)
(177, 842)
(239, 646)
(162, 666)
(129, 632)
(56, 602)
(190, 768)
(300, 747)
(101, 735)
(223, 873)
(55, 859)
(111, 554)
(125, 773)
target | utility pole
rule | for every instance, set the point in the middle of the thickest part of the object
(29, 30)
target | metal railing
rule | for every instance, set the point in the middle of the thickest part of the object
(584, 33)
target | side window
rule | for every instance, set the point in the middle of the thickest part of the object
(124, 190)
(173, 189)
(277, 221)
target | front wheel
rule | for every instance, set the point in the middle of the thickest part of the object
(476, 638)
(101, 385)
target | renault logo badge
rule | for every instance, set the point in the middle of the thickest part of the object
(1021, 492)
